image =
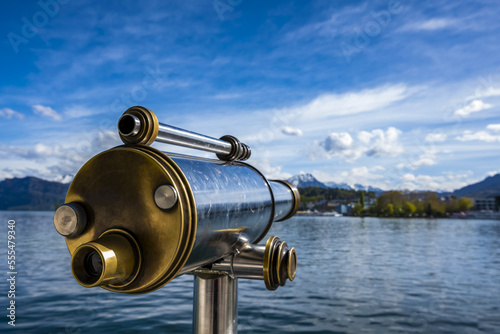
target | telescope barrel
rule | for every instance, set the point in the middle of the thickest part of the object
(183, 212)
(139, 125)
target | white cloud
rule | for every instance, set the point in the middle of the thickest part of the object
(340, 144)
(340, 22)
(32, 168)
(41, 152)
(289, 131)
(46, 111)
(408, 177)
(416, 160)
(493, 172)
(436, 137)
(80, 111)
(363, 173)
(486, 89)
(414, 182)
(376, 143)
(336, 142)
(489, 91)
(9, 113)
(367, 176)
(365, 137)
(330, 105)
(430, 25)
(54, 162)
(446, 182)
(228, 96)
(474, 106)
(480, 136)
(385, 143)
(314, 117)
(269, 170)
(421, 161)
(494, 127)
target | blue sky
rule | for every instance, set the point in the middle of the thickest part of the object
(394, 94)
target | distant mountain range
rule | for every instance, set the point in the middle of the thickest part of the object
(31, 193)
(308, 180)
(489, 187)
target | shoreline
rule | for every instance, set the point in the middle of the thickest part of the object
(465, 216)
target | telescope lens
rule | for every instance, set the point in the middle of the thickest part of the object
(93, 264)
(129, 125)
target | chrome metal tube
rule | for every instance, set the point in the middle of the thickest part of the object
(139, 125)
(171, 135)
(284, 200)
(215, 309)
(247, 262)
(233, 201)
(273, 262)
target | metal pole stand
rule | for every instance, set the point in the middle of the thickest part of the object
(215, 309)
(215, 303)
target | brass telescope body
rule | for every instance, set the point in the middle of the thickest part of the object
(136, 217)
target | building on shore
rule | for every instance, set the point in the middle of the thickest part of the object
(486, 204)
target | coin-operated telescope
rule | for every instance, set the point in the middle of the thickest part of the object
(135, 218)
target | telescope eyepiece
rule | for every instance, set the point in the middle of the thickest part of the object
(129, 125)
(84, 265)
(93, 264)
(112, 260)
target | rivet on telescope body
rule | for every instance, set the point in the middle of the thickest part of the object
(70, 219)
(165, 197)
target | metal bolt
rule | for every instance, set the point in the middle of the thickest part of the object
(165, 197)
(70, 219)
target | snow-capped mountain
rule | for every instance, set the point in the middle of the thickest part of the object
(306, 180)
(359, 187)
(336, 185)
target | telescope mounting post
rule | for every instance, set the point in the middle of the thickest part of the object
(215, 303)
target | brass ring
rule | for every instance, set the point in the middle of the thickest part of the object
(292, 263)
(268, 256)
(149, 130)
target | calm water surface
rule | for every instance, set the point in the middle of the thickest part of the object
(355, 276)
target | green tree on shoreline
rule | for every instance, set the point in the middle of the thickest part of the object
(389, 204)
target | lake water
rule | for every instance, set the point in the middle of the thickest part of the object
(355, 275)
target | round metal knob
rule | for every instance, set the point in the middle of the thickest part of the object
(165, 197)
(70, 220)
